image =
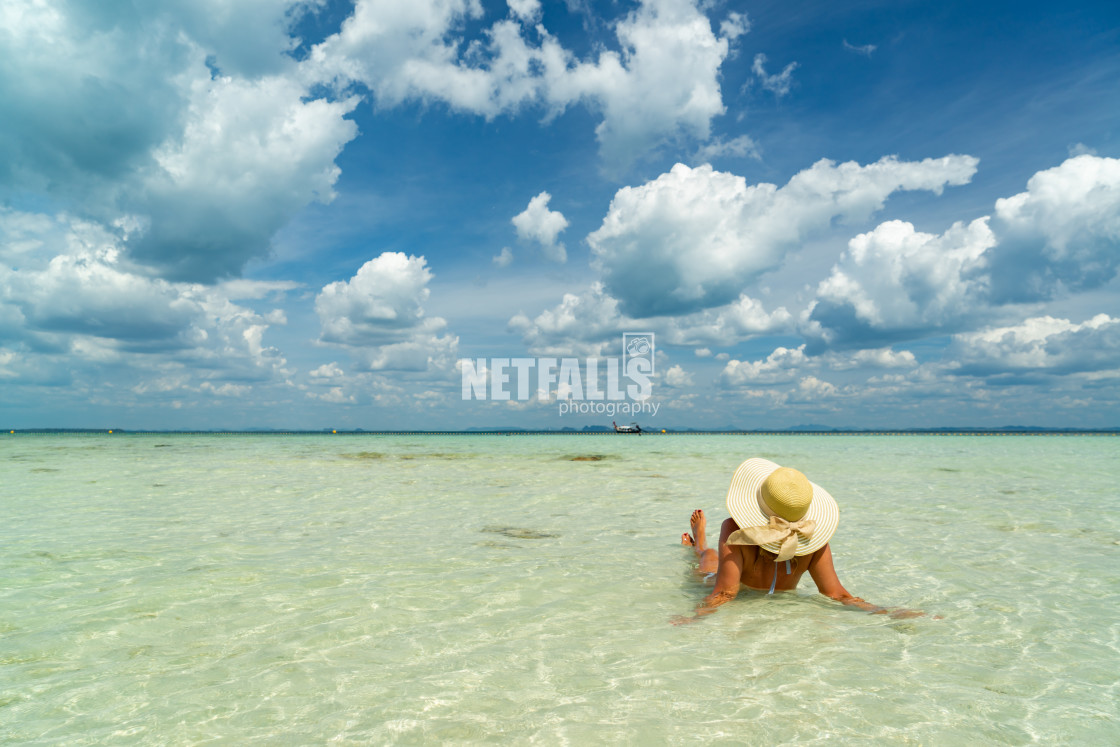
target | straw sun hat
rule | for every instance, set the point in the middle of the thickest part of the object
(778, 509)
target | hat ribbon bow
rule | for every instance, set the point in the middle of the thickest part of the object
(780, 531)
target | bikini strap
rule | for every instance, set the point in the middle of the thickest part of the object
(774, 583)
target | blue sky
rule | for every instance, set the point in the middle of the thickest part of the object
(285, 214)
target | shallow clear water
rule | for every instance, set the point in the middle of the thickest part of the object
(174, 589)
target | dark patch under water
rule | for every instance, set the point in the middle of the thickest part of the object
(518, 533)
(588, 458)
(363, 455)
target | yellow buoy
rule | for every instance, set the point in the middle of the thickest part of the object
(110, 431)
(662, 430)
(334, 431)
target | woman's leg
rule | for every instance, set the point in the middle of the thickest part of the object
(698, 541)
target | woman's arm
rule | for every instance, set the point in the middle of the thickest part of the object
(824, 576)
(728, 577)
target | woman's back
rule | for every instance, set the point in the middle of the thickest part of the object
(761, 572)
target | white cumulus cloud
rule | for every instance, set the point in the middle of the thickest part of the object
(503, 258)
(526, 10)
(189, 117)
(1059, 237)
(586, 323)
(780, 367)
(538, 223)
(251, 153)
(73, 295)
(1042, 345)
(1062, 234)
(590, 322)
(740, 320)
(661, 83)
(896, 282)
(328, 371)
(692, 238)
(677, 377)
(379, 315)
(872, 358)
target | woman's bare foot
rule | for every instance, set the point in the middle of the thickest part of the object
(699, 525)
(698, 541)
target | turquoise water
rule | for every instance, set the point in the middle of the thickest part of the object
(173, 589)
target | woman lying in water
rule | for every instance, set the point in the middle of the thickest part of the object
(779, 528)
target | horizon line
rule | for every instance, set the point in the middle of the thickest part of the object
(586, 431)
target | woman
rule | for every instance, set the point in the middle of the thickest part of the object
(779, 528)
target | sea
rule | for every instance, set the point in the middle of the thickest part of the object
(176, 589)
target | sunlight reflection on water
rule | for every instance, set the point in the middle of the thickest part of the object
(174, 589)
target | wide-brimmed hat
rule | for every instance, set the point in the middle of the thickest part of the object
(778, 509)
